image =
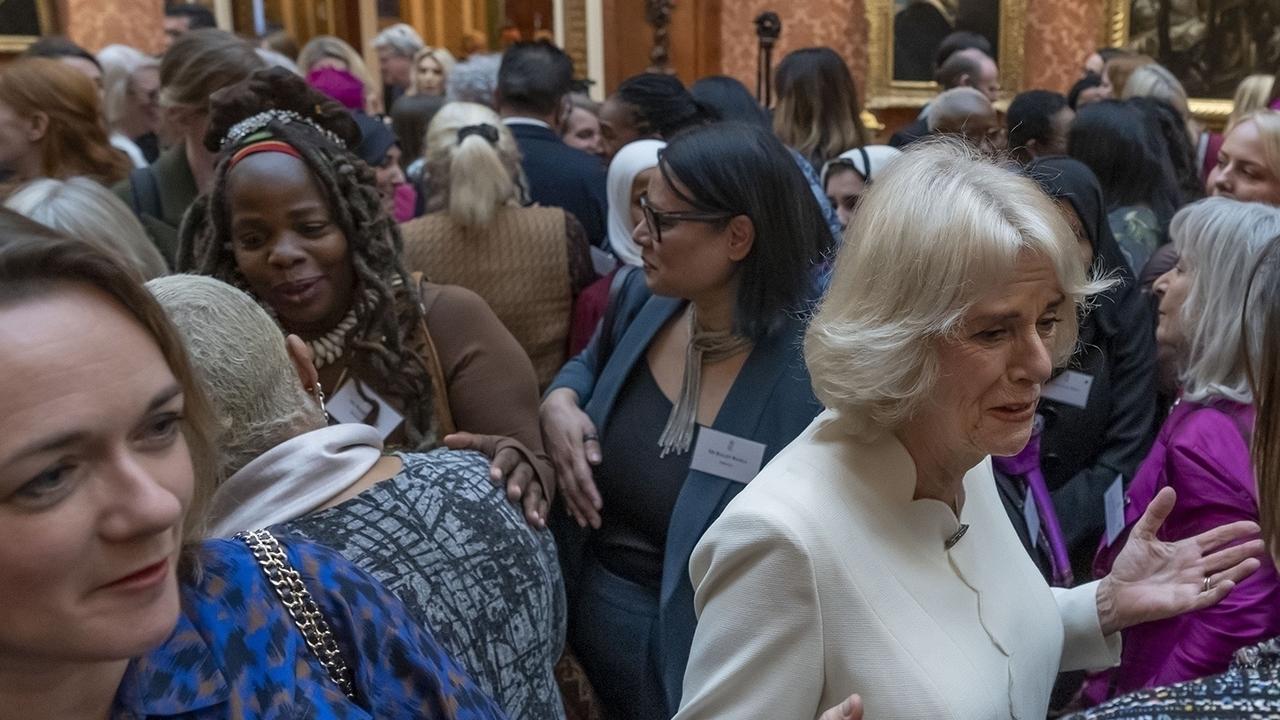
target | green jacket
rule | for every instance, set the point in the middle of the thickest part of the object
(160, 206)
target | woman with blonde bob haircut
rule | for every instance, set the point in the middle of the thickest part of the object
(873, 555)
(528, 263)
(431, 68)
(870, 348)
(84, 209)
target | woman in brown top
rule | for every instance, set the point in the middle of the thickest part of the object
(528, 263)
(294, 218)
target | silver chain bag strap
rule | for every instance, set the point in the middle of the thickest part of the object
(287, 583)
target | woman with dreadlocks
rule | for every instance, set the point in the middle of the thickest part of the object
(294, 219)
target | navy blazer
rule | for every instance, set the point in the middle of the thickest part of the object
(770, 402)
(564, 177)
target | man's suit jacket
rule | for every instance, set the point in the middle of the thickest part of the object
(563, 177)
(770, 402)
(919, 128)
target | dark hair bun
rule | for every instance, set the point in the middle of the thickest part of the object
(276, 89)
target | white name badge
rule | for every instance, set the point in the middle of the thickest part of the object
(355, 402)
(727, 456)
(1031, 516)
(1113, 502)
(1070, 388)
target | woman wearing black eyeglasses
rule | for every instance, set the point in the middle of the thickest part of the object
(694, 382)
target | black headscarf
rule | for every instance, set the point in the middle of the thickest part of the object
(1064, 178)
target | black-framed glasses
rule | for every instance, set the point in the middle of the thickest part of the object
(656, 220)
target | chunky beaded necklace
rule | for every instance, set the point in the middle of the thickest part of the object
(328, 348)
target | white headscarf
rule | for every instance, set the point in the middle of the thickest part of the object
(633, 159)
(868, 161)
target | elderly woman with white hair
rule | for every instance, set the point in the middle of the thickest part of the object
(1202, 451)
(431, 527)
(82, 208)
(397, 47)
(873, 555)
(131, 101)
(474, 80)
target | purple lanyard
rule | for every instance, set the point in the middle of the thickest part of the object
(1026, 465)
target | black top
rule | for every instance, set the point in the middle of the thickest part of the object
(1084, 449)
(639, 489)
(149, 144)
(563, 177)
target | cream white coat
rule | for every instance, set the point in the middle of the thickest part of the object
(824, 578)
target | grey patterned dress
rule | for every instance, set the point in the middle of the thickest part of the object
(444, 539)
(1249, 689)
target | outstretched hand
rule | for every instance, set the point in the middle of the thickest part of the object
(1152, 579)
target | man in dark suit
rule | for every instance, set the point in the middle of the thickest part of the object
(964, 67)
(533, 98)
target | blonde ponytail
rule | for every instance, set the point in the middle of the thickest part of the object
(472, 160)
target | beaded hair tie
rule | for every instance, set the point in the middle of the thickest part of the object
(254, 123)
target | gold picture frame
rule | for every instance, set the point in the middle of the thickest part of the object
(1115, 33)
(883, 91)
(45, 17)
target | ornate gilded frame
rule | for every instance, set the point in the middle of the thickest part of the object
(18, 43)
(885, 92)
(1115, 33)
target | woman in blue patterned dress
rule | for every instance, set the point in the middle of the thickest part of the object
(107, 611)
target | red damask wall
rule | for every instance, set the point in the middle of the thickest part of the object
(840, 24)
(98, 23)
(1059, 34)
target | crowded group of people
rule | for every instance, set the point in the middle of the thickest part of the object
(446, 392)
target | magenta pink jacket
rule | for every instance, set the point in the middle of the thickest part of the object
(1201, 452)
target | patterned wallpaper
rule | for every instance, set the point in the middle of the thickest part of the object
(839, 24)
(1059, 33)
(96, 24)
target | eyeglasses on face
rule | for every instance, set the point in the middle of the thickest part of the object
(657, 220)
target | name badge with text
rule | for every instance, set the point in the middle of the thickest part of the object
(727, 456)
(355, 402)
(1070, 388)
(1113, 507)
(1031, 516)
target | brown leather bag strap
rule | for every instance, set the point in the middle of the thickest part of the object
(431, 358)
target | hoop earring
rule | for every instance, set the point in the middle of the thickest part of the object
(318, 392)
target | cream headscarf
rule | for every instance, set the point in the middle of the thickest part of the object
(633, 159)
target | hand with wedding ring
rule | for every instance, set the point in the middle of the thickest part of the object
(1152, 579)
(571, 440)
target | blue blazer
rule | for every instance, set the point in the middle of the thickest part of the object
(564, 177)
(770, 402)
